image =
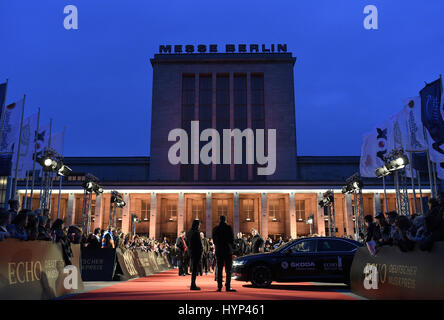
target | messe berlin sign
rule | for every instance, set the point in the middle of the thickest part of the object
(229, 48)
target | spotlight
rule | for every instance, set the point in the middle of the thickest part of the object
(327, 199)
(116, 198)
(64, 171)
(382, 172)
(354, 184)
(47, 162)
(396, 160)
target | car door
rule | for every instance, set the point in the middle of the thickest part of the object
(299, 262)
(335, 256)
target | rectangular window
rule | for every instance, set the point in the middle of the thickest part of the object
(205, 118)
(258, 112)
(300, 210)
(222, 207)
(170, 210)
(247, 208)
(196, 209)
(144, 211)
(240, 121)
(222, 120)
(188, 104)
(275, 208)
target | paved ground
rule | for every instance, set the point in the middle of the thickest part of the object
(169, 286)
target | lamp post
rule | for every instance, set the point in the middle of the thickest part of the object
(90, 185)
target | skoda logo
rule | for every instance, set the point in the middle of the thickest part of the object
(284, 264)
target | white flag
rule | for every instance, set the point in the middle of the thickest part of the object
(11, 126)
(401, 134)
(415, 131)
(29, 128)
(435, 155)
(57, 142)
(369, 160)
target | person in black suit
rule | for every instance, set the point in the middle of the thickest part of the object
(182, 253)
(195, 246)
(257, 243)
(224, 241)
(240, 245)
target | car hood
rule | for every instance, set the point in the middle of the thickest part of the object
(256, 256)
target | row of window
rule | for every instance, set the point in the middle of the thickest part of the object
(276, 209)
(205, 116)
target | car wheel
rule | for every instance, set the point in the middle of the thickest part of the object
(261, 276)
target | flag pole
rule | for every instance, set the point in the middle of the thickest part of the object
(385, 194)
(44, 173)
(2, 116)
(3, 106)
(18, 148)
(34, 156)
(61, 177)
(428, 162)
(420, 190)
(51, 179)
(25, 198)
(434, 178)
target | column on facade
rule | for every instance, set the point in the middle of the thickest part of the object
(320, 217)
(232, 122)
(71, 210)
(180, 213)
(213, 121)
(153, 213)
(236, 224)
(377, 204)
(348, 215)
(209, 214)
(126, 214)
(292, 214)
(249, 117)
(264, 217)
(195, 143)
(98, 212)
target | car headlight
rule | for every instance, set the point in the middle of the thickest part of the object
(239, 262)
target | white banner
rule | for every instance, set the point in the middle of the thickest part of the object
(57, 142)
(369, 160)
(11, 126)
(29, 128)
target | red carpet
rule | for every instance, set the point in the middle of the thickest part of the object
(169, 286)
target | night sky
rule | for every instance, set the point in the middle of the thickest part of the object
(97, 80)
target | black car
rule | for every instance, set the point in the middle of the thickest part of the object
(319, 259)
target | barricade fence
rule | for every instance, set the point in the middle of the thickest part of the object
(393, 274)
(36, 270)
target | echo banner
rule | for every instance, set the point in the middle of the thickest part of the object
(393, 274)
(137, 263)
(34, 270)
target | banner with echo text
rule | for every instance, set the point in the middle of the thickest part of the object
(35, 270)
(393, 274)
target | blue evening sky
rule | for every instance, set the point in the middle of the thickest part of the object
(97, 80)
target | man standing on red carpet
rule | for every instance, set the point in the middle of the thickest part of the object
(224, 241)
(193, 238)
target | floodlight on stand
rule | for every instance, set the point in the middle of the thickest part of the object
(64, 171)
(382, 172)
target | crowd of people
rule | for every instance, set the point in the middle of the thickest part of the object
(383, 229)
(406, 231)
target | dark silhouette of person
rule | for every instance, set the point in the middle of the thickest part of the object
(224, 241)
(257, 243)
(195, 247)
(182, 249)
